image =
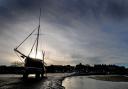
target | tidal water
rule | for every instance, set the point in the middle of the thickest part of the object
(83, 82)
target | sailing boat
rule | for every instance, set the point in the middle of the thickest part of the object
(33, 65)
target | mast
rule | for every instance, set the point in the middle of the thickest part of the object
(38, 34)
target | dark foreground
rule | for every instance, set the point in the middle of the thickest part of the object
(52, 81)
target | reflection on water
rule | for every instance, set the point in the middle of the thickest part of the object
(83, 82)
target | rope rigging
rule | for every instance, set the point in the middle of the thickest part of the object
(26, 38)
(36, 42)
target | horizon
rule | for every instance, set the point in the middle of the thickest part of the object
(20, 64)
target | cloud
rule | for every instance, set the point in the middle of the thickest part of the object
(85, 31)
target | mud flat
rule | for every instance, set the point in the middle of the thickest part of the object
(52, 81)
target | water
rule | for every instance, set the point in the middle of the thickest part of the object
(83, 82)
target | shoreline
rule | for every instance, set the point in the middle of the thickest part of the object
(111, 78)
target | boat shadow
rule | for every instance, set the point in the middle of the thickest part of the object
(29, 83)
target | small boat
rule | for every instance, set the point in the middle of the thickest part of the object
(33, 65)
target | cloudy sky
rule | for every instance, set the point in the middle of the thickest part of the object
(74, 31)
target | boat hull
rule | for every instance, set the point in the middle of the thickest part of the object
(33, 66)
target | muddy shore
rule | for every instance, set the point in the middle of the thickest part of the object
(52, 81)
